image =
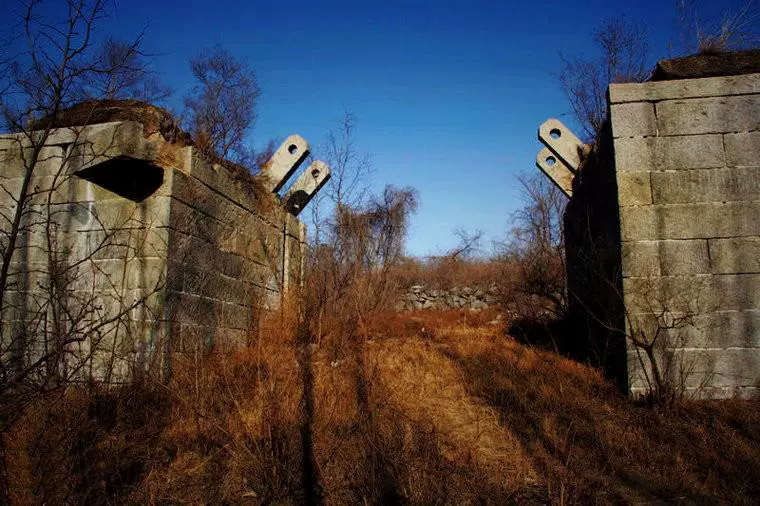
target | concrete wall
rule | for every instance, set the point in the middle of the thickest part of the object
(158, 250)
(687, 168)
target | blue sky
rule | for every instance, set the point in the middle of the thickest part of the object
(448, 95)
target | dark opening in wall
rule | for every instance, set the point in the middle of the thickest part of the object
(130, 178)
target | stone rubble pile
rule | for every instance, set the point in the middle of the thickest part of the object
(475, 298)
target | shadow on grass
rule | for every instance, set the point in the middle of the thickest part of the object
(544, 334)
(592, 445)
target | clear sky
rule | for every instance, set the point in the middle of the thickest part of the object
(448, 94)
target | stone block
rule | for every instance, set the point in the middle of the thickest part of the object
(193, 338)
(195, 194)
(235, 316)
(72, 189)
(556, 170)
(724, 329)
(706, 185)
(700, 294)
(105, 216)
(684, 88)
(690, 221)
(221, 181)
(708, 115)
(124, 243)
(199, 280)
(697, 369)
(188, 249)
(671, 295)
(118, 275)
(666, 258)
(640, 258)
(7, 141)
(735, 255)
(634, 188)
(669, 153)
(252, 248)
(73, 134)
(634, 119)
(193, 222)
(192, 309)
(683, 257)
(640, 224)
(229, 339)
(734, 291)
(742, 149)
(102, 142)
(262, 245)
(291, 224)
(80, 147)
(719, 367)
(14, 164)
(124, 213)
(215, 177)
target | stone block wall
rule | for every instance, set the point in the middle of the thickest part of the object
(419, 297)
(156, 250)
(687, 169)
(229, 253)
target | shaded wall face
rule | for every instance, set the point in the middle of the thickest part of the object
(592, 243)
(687, 157)
(132, 248)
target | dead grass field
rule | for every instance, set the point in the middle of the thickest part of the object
(432, 407)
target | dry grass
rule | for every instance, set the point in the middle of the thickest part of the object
(446, 272)
(589, 444)
(432, 407)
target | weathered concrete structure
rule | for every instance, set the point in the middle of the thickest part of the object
(159, 249)
(663, 233)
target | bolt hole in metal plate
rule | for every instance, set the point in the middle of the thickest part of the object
(550, 160)
(555, 133)
(292, 149)
(315, 173)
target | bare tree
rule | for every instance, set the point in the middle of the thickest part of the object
(222, 105)
(623, 52)
(537, 250)
(124, 74)
(356, 236)
(349, 270)
(468, 243)
(349, 169)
